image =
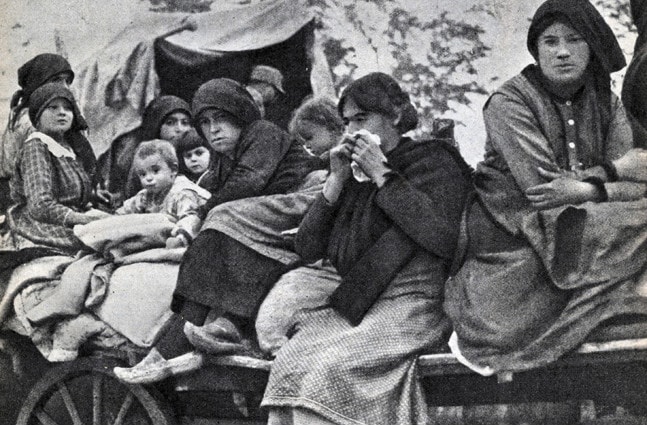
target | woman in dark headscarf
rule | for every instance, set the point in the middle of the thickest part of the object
(165, 117)
(558, 234)
(251, 157)
(41, 69)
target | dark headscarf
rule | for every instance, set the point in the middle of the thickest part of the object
(39, 100)
(606, 54)
(587, 21)
(378, 92)
(34, 74)
(226, 95)
(639, 16)
(634, 86)
(157, 111)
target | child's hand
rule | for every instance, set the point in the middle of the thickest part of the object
(90, 216)
(176, 242)
(141, 200)
(104, 200)
(96, 214)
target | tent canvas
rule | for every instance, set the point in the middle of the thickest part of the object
(143, 61)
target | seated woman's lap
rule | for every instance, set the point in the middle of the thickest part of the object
(501, 270)
(220, 272)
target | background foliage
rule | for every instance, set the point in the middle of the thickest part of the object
(436, 57)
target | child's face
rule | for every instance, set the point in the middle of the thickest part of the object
(197, 159)
(57, 117)
(175, 126)
(317, 139)
(155, 175)
(221, 133)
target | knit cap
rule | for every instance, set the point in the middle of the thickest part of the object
(190, 140)
(227, 95)
(46, 93)
(269, 75)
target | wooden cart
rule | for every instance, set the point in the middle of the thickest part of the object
(228, 390)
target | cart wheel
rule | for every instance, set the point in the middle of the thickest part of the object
(85, 391)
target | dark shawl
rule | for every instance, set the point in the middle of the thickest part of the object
(423, 199)
(157, 111)
(634, 88)
(33, 74)
(586, 20)
(266, 162)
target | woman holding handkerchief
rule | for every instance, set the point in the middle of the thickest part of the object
(391, 233)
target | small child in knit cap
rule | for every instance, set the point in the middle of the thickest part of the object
(164, 191)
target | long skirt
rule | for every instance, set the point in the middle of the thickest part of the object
(509, 315)
(365, 374)
(220, 272)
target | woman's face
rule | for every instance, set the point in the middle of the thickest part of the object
(175, 125)
(563, 55)
(317, 139)
(356, 119)
(57, 117)
(221, 133)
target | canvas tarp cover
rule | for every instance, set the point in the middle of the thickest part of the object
(141, 62)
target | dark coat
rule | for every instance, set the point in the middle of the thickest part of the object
(422, 200)
(266, 162)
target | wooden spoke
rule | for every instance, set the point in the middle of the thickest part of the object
(97, 398)
(128, 401)
(57, 388)
(69, 404)
(43, 417)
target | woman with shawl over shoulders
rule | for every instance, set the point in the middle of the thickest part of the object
(251, 157)
(557, 239)
(388, 219)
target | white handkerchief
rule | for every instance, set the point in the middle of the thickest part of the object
(358, 174)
